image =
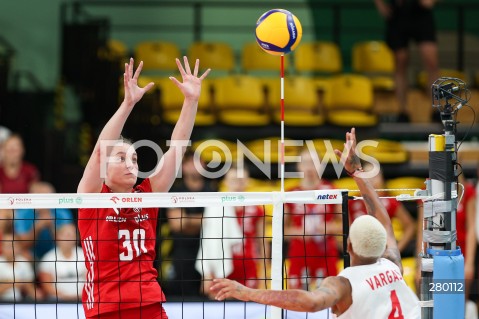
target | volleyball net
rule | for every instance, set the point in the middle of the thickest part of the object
(275, 240)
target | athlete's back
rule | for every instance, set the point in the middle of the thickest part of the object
(379, 292)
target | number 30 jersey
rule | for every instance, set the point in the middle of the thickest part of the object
(119, 249)
(380, 292)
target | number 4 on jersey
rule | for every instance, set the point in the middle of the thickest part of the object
(396, 311)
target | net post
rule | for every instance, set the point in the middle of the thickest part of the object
(277, 254)
(345, 214)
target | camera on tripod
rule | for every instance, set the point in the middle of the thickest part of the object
(445, 91)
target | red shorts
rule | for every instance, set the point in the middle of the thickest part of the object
(153, 311)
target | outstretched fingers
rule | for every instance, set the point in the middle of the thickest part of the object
(205, 74)
(187, 65)
(130, 68)
(138, 71)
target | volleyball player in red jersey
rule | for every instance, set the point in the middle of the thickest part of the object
(119, 244)
(312, 253)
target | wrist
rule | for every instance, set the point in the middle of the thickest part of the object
(354, 172)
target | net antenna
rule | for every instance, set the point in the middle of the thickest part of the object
(442, 261)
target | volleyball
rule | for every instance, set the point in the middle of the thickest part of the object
(278, 31)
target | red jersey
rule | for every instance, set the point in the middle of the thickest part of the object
(311, 255)
(461, 216)
(358, 208)
(119, 248)
(20, 184)
(245, 257)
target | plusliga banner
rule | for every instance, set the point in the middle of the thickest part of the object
(142, 200)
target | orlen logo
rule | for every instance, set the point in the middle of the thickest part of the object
(115, 199)
(327, 196)
(19, 200)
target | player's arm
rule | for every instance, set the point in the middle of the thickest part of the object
(165, 173)
(331, 291)
(373, 204)
(408, 226)
(91, 181)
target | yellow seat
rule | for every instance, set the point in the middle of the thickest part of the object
(318, 57)
(325, 147)
(215, 150)
(387, 152)
(157, 55)
(115, 50)
(301, 101)
(375, 60)
(423, 81)
(409, 272)
(347, 183)
(218, 56)
(398, 184)
(348, 99)
(268, 149)
(239, 101)
(171, 101)
(254, 59)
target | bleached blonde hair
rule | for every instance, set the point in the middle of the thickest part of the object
(368, 237)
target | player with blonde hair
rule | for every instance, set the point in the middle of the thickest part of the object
(372, 287)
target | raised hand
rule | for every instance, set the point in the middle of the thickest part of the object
(133, 93)
(191, 85)
(350, 160)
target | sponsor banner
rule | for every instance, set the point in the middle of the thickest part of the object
(142, 200)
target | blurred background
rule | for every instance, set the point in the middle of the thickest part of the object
(61, 64)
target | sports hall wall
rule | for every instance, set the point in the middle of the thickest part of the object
(33, 27)
(32, 31)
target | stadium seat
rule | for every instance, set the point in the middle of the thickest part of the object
(215, 150)
(347, 183)
(387, 152)
(157, 55)
(239, 100)
(348, 99)
(255, 60)
(422, 80)
(171, 101)
(260, 149)
(322, 147)
(375, 60)
(117, 49)
(318, 57)
(301, 100)
(218, 56)
(398, 184)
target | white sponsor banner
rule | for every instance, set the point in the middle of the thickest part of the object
(142, 200)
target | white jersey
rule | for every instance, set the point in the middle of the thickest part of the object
(380, 292)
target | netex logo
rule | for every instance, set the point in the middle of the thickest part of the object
(327, 196)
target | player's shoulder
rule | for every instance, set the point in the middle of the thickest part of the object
(144, 186)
